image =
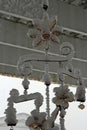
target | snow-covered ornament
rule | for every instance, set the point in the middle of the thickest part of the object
(63, 96)
(25, 83)
(80, 92)
(36, 120)
(45, 31)
(11, 116)
(47, 79)
(11, 111)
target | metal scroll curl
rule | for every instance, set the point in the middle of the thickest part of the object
(24, 66)
(67, 50)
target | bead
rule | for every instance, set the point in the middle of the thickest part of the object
(81, 106)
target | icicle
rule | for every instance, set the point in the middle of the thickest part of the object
(46, 77)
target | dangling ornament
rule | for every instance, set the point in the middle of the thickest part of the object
(47, 79)
(63, 96)
(11, 111)
(10, 116)
(81, 106)
(80, 93)
(25, 83)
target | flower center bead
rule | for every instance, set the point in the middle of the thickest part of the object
(46, 35)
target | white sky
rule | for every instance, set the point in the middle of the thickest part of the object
(75, 118)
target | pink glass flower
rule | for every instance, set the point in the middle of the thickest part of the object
(45, 31)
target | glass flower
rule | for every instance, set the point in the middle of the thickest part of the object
(63, 96)
(36, 120)
(45, 31)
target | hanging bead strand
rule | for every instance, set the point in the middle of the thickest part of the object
(25, 84)
(47, 82)
(47, 102)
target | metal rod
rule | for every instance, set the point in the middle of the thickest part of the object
(39, 60)
(71, 76)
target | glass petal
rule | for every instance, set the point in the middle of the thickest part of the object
(37, 24)
(46, 22)
(38, 27)
(53, 23)
(37, 42)
(57, 30)
(55, 39)
(33, 33)
(56, 33)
